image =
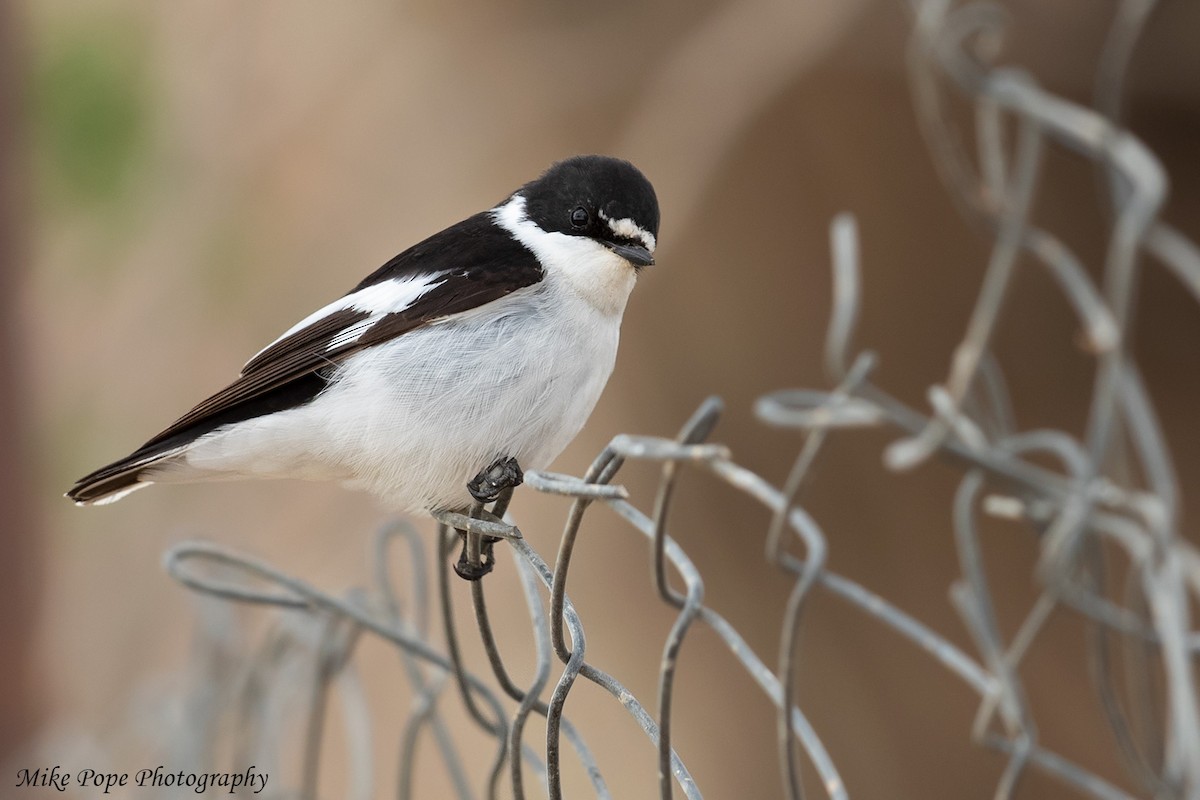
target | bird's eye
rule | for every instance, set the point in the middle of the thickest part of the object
(580, 217)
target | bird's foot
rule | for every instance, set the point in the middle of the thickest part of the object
(494, 484)
(490, 483)
(473, 569)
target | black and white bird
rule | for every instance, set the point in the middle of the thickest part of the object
(485, 345)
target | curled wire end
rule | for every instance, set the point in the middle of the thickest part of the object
(658, 449)
(232, 588)
(905, 454)
(700, 425)
(1006, 507)
(847, 291)
(488, 525)
(806, 409)
(571, 486)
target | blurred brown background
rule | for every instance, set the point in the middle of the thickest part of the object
(179, 182)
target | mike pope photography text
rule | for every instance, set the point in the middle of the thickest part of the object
(57, 777)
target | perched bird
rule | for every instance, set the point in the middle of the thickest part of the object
(478, 351)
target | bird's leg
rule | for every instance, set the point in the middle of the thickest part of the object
(493, 484)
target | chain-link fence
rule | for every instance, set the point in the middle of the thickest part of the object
(1103, 509)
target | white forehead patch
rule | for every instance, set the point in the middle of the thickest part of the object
(629, 229)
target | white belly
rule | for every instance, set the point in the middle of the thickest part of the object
(414, 419)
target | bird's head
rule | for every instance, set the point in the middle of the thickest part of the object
(603, 199)
(592, 222)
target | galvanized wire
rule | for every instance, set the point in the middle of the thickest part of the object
(1085, 512)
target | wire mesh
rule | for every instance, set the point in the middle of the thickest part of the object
(1089, 512)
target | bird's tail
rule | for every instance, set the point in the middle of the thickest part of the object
(112, 482)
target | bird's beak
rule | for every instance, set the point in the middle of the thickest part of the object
(633, 253)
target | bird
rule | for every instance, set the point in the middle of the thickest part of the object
(432, 384)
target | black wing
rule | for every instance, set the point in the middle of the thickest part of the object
(466, 266)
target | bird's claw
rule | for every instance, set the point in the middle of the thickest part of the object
(487, 560)
(490, 483)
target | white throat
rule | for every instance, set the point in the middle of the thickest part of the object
(588, 268)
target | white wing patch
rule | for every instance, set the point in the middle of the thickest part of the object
(387, 297)
(629, 229)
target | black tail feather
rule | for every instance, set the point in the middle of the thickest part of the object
(119, 476)
(96, 487)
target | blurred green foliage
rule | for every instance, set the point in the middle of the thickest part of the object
(90, 105)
